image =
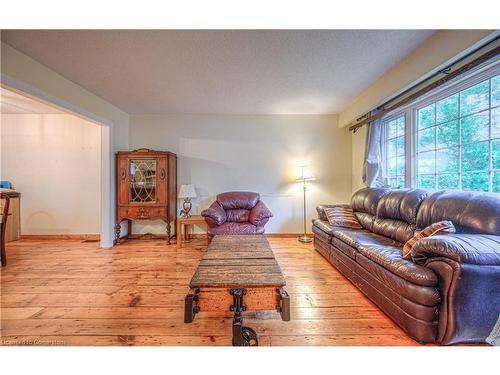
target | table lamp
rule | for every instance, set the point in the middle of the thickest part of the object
(304, 178)
(187, 192)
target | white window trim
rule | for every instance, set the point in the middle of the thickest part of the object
(384, 121)
(410, 111)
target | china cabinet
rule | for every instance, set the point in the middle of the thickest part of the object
(146, 188)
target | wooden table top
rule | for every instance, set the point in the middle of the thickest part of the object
(238, 261)
(11, 193)
(194, 219)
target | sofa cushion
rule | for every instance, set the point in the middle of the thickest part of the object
(322, 229)
(364, 203)
(419, 294)
(366, 220)
(342, 217)
(235, 228)
(391, 258)
(343, 247)
(398, 230)
(401, 204)
(473, 213)
(397, 213)
(366, 200)
(323, 226)
(355, 238)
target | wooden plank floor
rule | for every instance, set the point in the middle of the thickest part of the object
(66, 292)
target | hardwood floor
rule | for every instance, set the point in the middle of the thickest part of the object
(68, 292)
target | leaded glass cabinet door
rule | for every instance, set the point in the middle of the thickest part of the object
(143, 187)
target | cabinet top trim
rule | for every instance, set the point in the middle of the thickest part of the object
(145, 151)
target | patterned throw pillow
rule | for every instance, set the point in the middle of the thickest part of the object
(342, 217)
(441, 227)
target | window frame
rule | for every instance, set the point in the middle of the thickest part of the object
(476, 76)
(384, 140)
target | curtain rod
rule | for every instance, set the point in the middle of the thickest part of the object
(365, 119)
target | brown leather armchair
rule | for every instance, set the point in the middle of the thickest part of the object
(236, 212)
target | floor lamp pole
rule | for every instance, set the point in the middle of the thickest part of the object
(305, 238)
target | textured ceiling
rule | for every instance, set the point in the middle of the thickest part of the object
(225, 71)
(13, 103)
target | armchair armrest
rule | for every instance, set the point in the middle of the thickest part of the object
(214, 215)
(477, 249)
(260, 214)
(321, 209)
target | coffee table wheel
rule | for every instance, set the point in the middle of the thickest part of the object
(247, 337)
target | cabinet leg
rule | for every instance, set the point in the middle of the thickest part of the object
(117, 233)
(168, 231)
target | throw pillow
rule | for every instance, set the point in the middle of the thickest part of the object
(342, 217)
(441, 227)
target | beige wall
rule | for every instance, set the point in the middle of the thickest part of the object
(358, 152)
(28, 75)
(440, 48)
(257, 153)
(54, 161)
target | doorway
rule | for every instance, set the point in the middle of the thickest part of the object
(62, 162)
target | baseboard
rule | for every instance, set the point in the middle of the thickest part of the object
(96, 237)
(89, 237)
(287, 235)
(204, 235)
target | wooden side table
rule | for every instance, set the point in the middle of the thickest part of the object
(185, 222)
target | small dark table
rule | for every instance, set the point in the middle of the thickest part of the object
(238, 273)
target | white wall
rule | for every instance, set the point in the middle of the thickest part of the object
(54, 161)
(254, 153)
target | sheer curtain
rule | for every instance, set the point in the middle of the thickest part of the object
(373, 173)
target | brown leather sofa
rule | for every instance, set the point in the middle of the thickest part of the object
(449, 292)
(236, 212)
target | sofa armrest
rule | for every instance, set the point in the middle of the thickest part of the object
(468, 271)
(260, 214)
(321, 209)
(477, 249)
(214, 215)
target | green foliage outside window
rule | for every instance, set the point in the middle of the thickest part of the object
(458, 140)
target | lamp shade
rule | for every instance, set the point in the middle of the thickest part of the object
(187, 191)
(304, 175)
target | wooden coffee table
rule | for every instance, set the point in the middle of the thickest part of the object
(238, 273)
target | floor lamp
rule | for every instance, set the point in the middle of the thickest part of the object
(304, 178)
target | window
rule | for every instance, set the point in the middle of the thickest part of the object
(393, 152)
(458, 140)
(449, 139)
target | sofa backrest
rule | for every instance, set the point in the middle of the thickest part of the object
(397, 213)
(470, 212)
(238, 204)
(364, 204)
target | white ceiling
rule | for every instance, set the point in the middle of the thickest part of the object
(220, 71)
(13, 103)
